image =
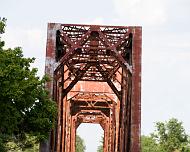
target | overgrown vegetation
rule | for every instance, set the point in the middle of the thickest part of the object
(27, 114)
(100, 147)
(169, 136)
(80, 145)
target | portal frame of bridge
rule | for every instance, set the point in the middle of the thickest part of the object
(95, 75)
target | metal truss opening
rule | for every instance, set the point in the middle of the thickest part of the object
(92, 135)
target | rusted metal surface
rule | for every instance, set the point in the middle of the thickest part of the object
(96, 78)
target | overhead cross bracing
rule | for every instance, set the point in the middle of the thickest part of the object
(96, 78)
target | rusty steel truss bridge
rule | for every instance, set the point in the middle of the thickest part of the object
(96, 78)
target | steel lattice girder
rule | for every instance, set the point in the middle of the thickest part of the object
(96, 76)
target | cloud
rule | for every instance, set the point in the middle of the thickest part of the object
(141, 12)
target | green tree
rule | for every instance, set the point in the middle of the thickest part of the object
(149, 144)
(100, 147)
(25, 106)
(80, 145)
(171, 136)
(29, 145)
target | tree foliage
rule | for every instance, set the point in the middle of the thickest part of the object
(80, 145)
(2, 29)
(149, 144)
(169, 136)
(100, 147)
(25, 107)
(30, 144)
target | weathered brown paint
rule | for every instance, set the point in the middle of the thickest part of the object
(94, 82)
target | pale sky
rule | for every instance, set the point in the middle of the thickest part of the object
(165, 54)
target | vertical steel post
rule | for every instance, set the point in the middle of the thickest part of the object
(136, 90)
